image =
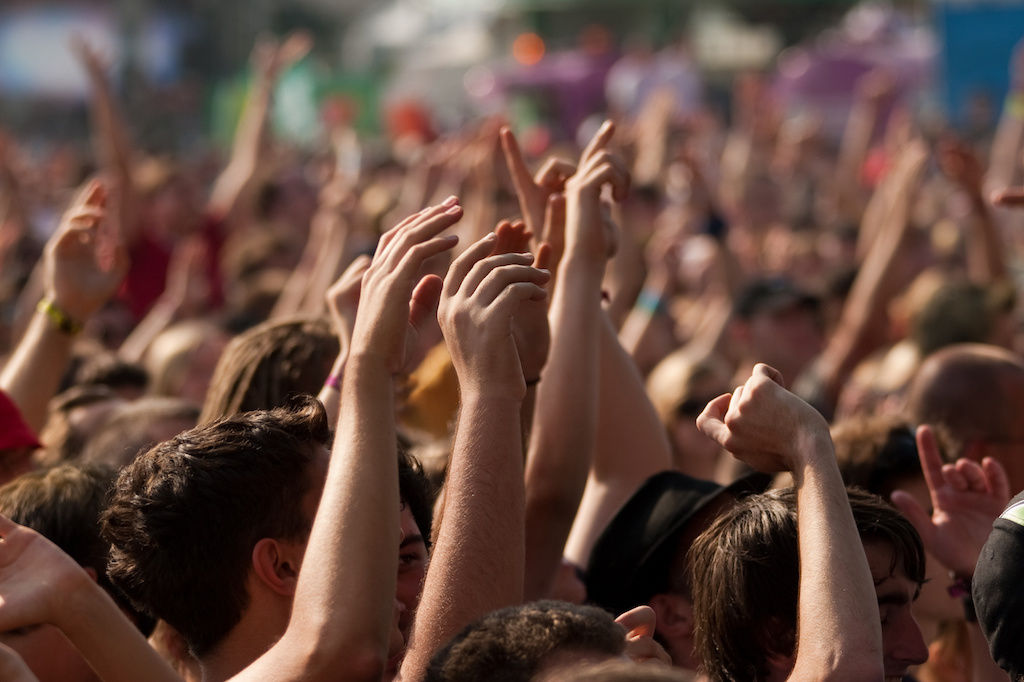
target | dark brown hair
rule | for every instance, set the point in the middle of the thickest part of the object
(184, 517)
(745, 575)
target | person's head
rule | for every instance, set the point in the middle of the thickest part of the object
(879, 454)
(958, 312)
(128, 380)
(181, 359)
(417, 496)
(63, 504)
(746, 580)
(777, 323)
(640, 557)
(518, 642)
(74, 416)
(261, 367)
(679, 387)
(132, 428)
(974, 394)
(210, 526)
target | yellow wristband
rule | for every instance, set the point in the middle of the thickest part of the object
(61, 320)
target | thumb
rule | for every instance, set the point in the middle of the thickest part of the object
(711, 420)
(639, 622)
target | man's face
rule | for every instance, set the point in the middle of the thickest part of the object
(412, 567)
(902, 643)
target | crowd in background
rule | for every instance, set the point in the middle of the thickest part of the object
(597, 311)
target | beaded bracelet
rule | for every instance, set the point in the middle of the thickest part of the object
(333, 381)
(61, 320)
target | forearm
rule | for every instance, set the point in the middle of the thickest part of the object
(344, 599)
(330, 394)
(235, 181)
(111, 644)
(32, 375)
(986, 258)
(566, 419)
(478, 560)
(838, 633)
(626, 423)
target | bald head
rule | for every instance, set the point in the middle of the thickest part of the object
(974, 391)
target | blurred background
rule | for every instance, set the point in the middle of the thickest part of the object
(181, 66)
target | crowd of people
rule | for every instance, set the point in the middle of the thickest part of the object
(712, 398)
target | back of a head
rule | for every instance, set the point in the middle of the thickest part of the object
(972, 391)
(515, 643)
(958, 312)
(746, 578)
(63, 503)
(876, 453)
(137, 426)
(184, 517)
(260, 368)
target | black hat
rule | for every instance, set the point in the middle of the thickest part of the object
(772, 294)
(998, 589)
(632, 559)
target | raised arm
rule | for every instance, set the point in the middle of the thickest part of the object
(234, 188)
(343, 623)
(566, 415)
(769, 428)
(40, 584)
(111, 138)
(478, 559)
(83, 264)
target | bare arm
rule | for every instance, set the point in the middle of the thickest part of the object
(838, 631)
(859, 332)
(343, 616)
(83, 264)
(111, 139)
(478, 559)
(233, 190)
(565, 425)
(41, 584)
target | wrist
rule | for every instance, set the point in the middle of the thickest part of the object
(813, 453)
(58, 317)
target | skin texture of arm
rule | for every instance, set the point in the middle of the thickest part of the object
(83, 264)
(838, 632)
(344, 612)
(566, 415)
(41, 584)
(478, 558)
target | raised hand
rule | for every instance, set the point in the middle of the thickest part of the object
(530, 328)
(966, 498)
(533, 191)
(587, 232)
(271, 59)
(482, 294)
(762, 423)
(85, 261)
(35, 577)
(961, 165)
(395, 301)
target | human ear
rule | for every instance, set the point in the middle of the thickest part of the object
(276, 565)
(675, 615)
